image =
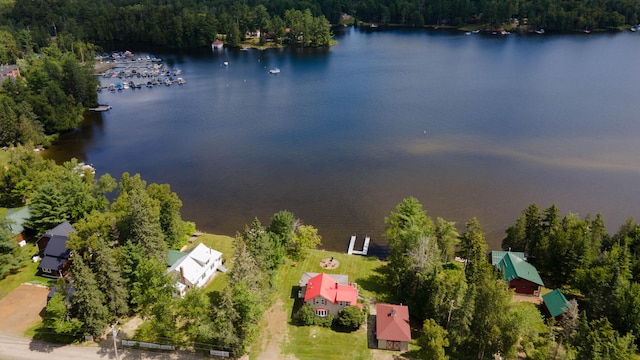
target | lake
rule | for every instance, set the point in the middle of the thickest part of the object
(471, 125)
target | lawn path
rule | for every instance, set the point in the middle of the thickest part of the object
(275, 334)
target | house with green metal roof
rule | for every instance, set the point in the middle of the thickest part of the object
(496, 256)
(521, 276)
(555, 304)
(17, 219)
(173, 256)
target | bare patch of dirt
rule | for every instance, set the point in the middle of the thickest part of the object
(128, 329)
(275, 334)
(21, 309)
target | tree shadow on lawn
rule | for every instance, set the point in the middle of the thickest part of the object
(376, 283)
(297, 304)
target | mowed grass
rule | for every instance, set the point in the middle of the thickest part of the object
(28, 273)
(4, 155)
(312, 342)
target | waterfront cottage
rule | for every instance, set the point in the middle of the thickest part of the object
(52, 248)
(17, 219)
(495, 256)
(196, 268)
(327, 294)
(521, 276)
(393, 331)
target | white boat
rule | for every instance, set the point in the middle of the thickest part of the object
(475, 31)
(274, 71)
(226, 63)
(180, 81)
(541, 31)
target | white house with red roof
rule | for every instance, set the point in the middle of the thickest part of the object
(328, 294)
(217, 45)
(392, 327)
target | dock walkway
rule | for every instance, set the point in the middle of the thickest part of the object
(365, 248)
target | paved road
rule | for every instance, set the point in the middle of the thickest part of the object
(13, 348)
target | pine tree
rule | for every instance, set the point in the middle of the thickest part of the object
(88, 301)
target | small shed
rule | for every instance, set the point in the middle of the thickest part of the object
(555, 304)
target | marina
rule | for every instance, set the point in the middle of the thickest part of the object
(130, 72)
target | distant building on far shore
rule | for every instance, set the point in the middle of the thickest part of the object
(6, 71)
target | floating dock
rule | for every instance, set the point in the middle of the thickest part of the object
(365, 248)
(101, 108)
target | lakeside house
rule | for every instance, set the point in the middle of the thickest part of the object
(496, 255)
(520, 275)
(393, 330)
(17, 219)
(195, 268)
(327, 294)
(52, 248)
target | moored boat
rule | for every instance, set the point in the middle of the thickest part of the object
(274, 71)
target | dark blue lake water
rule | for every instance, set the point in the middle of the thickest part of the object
(471, 125)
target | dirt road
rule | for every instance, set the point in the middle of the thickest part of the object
(16, 348)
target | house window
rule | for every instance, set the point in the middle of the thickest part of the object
(45, 270)
(320, 301)
(322, 312)
(344, 303)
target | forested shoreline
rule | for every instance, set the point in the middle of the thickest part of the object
(190, 23)
(460, 309)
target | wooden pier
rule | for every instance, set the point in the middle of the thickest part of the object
(365, 248)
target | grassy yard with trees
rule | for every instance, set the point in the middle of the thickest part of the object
(306, 342)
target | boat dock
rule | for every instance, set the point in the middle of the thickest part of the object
(365, 247)
(101, 108)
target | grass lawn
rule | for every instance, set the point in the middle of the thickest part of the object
(307, 342)
(4, 155)
(313, 342)
(26, 274)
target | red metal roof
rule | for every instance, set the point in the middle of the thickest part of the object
(392, 322)
(327, 287)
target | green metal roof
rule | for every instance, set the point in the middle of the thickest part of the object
(173, 256)
(496, 256)
(513, 267)
(17, 218)
(555, 302)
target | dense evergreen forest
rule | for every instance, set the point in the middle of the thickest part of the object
(191, 23)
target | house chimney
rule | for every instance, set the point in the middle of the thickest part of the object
(182, 275)
(392, 313)
(336, 284)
